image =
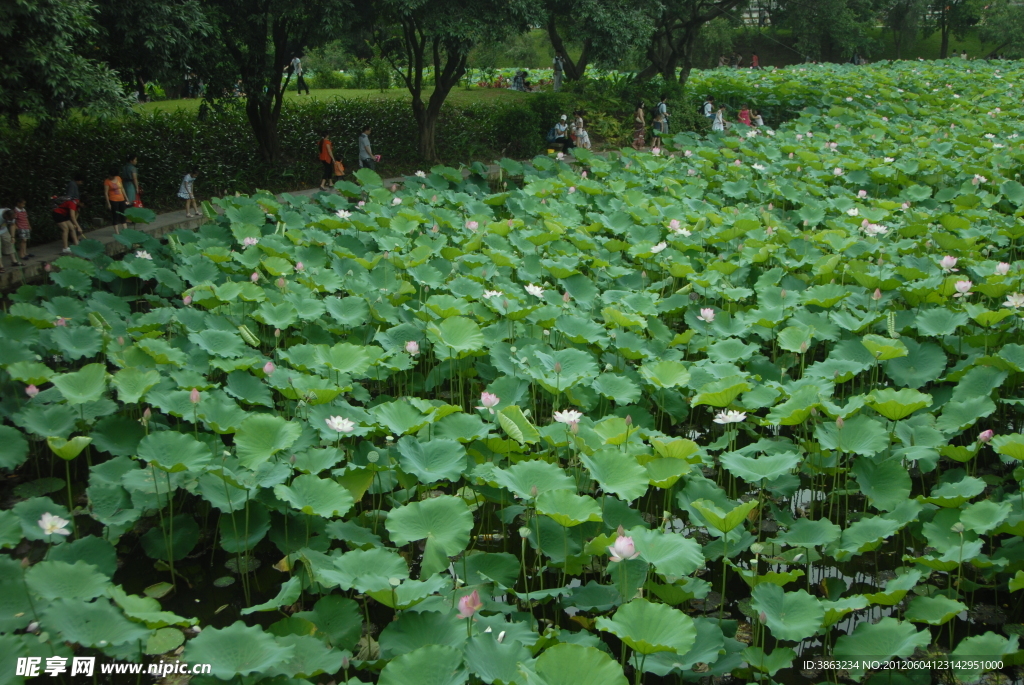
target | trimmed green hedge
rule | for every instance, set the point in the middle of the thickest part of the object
(225, 151)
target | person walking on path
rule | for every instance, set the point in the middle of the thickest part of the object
(639, 127)
(295, 67)
(755, 63)
(366, 157)
(65, 216)
(7, 228)
(130, 174)
(24, 229)
(113, 193)
(326, 160)
(187, 192)
(559, 67)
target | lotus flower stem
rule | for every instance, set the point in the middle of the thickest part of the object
(71, 502)
(170, 530)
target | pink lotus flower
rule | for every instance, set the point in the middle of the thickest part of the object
(862, 193)
(193, 396)
(248, 242)
(362, 203)
(837, 171)
(985, 436)
(707, 315)
(1002, 268)
(299, 266)
(31, 391)
(187, 300)
(469, 605)
(655, 151)
(978, 178)
(623, 549)
(963, 288)
(488, 401)
(412, 347)
(255, 277)
(584, 174)
(269, 368)
(688, 153)
(947, 263)
(572, 189)
(673, 225)
(472, 225)
(61, 321)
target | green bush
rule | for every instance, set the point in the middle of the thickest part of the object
(327, 80)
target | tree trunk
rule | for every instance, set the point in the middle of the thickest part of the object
(574, 71)
(944, 46)
(427, 143)
(264, 126)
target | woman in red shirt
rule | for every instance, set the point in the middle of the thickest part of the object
(65, 215)
(744, 115)
(117, 200)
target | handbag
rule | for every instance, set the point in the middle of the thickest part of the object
(137, 202)
(339, 168)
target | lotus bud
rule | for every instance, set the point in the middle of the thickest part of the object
(985, 436)
(957, 527)
(292, 459)
(546, 332)
(574, 427)
(255, 277)
(608, 367)
(524, 532)
(25, 563)
(643, 274)
(762, 617)
(877, 295)
(280, 283)
(146, 414)
(533, 491)
(394, 187)
(277, 332)
(47, 268)
(120, 340)
(187, 300)
(433, 198)
(31, 391)
(269, 368)
(32, 627)
(572, 189)
(783, 294)
(803, 347)
(565, 297)
(193, 396)
(839, 422)
(299, 266)
(629, 419)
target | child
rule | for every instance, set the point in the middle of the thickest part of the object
(758, 120)
(187, 192)
(7, 238)
(659, 119)
(24, 230)
(117, 200)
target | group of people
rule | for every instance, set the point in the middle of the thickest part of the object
(659, 124)
(570, 134)
(736, 61)
(746, 116)
(334, 167)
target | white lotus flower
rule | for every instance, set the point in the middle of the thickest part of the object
(341, 425)
(421, 174)
(53, 525)
(730, 416)
(488, 294)
(659, 247)
(535, 290)
(757, 167)
(1014, 301)
(342, 214)
(852, 211)
(142, 254)
(890, 160)
(707, 315)
(1002, 268)
(874, 229)
(568, 417)
(752, 133)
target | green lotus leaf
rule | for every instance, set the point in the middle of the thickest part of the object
(91, 624)
(617, 473)
(567, 508)
(77, 341)
(983, 516)
(1012, 445)
(134, 382)
(884, 349)
(494, 661)
(761, 469)
(415, 629)
(859, 435)
(898, 404)
(780, 658)
(430, 665)
(809, 533)
(173, 451)
(56, 579)
(365, 570)
(864, 535)
(289, 592)
(30, 372)
(338, 618)
(411, 592)
(517, 426)
(789, 615)
(529, 478)
(438, 459)
(672, 555)
(83, 386)
(956, 493)
(444, 522)
(68, 449)
(571, 664)
(665, 374)
(164, 640)
(885, 483)
(648, 628)
(458, 334)
(934, 611)
(261, 436)
(721, 393)
(938, 322)
(316, 496)
(182, 532)
(882, 640)
(721, 520)
(236, 650)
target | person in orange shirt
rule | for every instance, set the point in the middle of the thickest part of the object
(113, 193)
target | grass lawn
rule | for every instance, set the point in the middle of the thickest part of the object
(457, 96)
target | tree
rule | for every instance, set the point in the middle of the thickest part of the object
(1002, 24)
(829, 29)
(415, 34)
(147, 40)
(254, 40)
(953, 17)
(45, 70)
(607, 30)
(676, 32)
(903, 18)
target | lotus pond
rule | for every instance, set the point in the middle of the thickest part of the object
(680, 416)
